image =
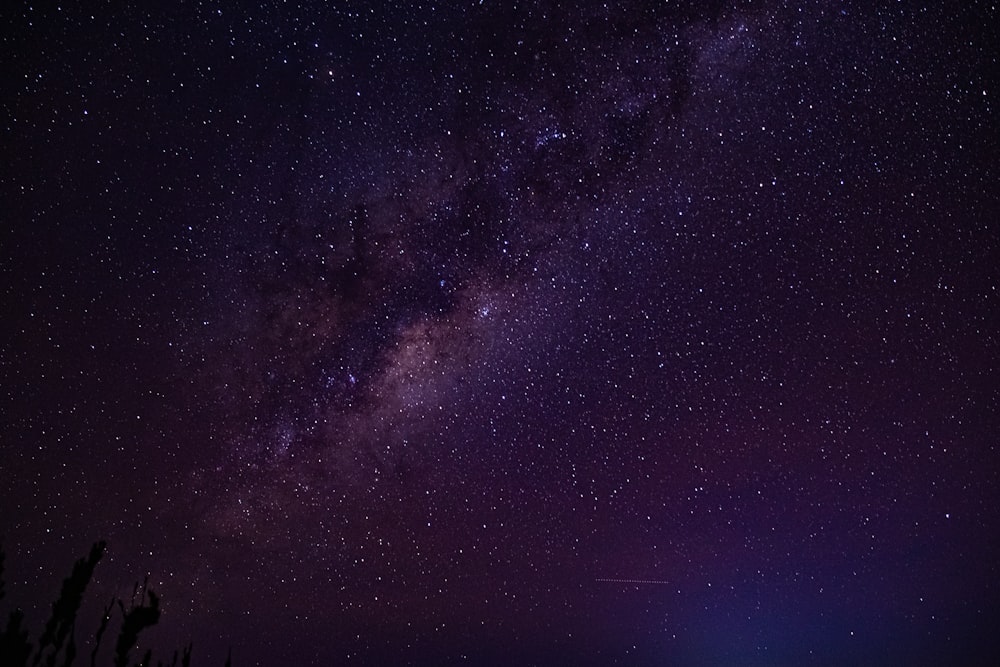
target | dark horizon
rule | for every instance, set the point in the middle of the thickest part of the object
(507, 333)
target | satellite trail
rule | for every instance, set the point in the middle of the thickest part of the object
(633, 581)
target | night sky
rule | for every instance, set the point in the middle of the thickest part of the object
(502, 333)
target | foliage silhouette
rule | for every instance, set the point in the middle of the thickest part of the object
(64, 609)
(100, 631)
(58, 638)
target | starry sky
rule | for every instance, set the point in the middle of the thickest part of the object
(491, 333)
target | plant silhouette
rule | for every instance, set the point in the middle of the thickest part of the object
(56, 646)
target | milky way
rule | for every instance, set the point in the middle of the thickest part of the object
(503, 333)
